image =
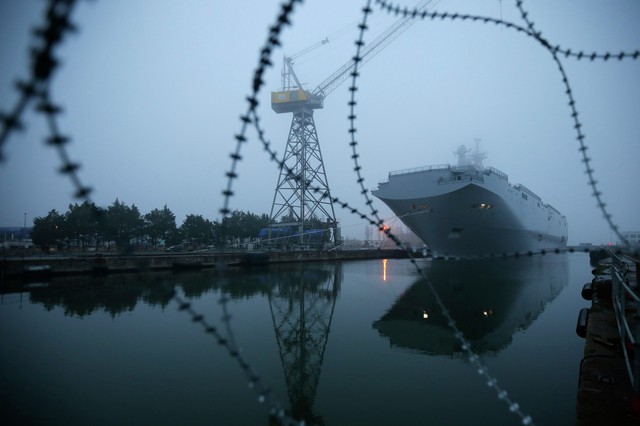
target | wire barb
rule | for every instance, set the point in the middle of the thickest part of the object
(44, 63)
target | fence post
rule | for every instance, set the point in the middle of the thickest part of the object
(635, 397)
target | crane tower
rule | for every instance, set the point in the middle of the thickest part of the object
(302, 197)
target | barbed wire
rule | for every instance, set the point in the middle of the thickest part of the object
(414, 13)
(44, 62)
(48, 37)
(458, 334)
(374, 219)
(59, 141)
(264, 62)
(252, 116)
(597, 194)
(264, 393)
(567, 52)
(530, 31)
(273, 41)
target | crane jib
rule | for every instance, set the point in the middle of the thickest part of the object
(297, 97)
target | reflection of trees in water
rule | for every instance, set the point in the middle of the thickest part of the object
(301, 299)
(114, 294)
(489, 300)
(117, 293)
(237, 283)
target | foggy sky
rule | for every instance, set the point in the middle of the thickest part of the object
(153, 91)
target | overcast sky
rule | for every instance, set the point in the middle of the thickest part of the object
(152, 92)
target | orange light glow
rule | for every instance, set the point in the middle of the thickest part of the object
(384, 269)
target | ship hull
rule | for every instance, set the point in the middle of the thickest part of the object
(473, 213)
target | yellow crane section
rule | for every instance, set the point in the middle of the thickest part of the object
(289, 100)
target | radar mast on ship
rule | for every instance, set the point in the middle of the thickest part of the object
(470, 157)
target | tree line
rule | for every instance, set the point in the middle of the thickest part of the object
(87, 225)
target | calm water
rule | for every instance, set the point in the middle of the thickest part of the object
(340, 344)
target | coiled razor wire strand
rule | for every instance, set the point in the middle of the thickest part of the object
(44, 63)
(554, 50)
(255, 382)
(265, 395)
(252, 116)
(473, 358)
(58, 141)
(574, 115)
(57, 24)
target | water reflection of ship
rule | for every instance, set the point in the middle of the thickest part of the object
(489, 300)
(302, 304)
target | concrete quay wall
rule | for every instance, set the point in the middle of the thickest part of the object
(56, 265)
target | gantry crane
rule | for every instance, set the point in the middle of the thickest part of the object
(302, 199)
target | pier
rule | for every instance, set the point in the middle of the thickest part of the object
(609, 388)
(36, 267)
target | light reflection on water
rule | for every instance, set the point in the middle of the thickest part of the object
(337, 343)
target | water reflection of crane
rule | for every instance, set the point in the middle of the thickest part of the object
(302, 304)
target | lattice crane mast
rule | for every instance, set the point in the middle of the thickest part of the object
(297, 202)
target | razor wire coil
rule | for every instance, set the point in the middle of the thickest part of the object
(44, 62)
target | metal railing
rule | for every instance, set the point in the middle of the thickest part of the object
(461, 178)
(492, 170)
(628, 327)
(420, 169)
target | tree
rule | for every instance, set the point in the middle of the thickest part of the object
(243, 224)
(197, 230)
(160, 225)
(123, 223)
(48, 230)
(82, 223)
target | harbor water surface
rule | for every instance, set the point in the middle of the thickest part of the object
(348, 343)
